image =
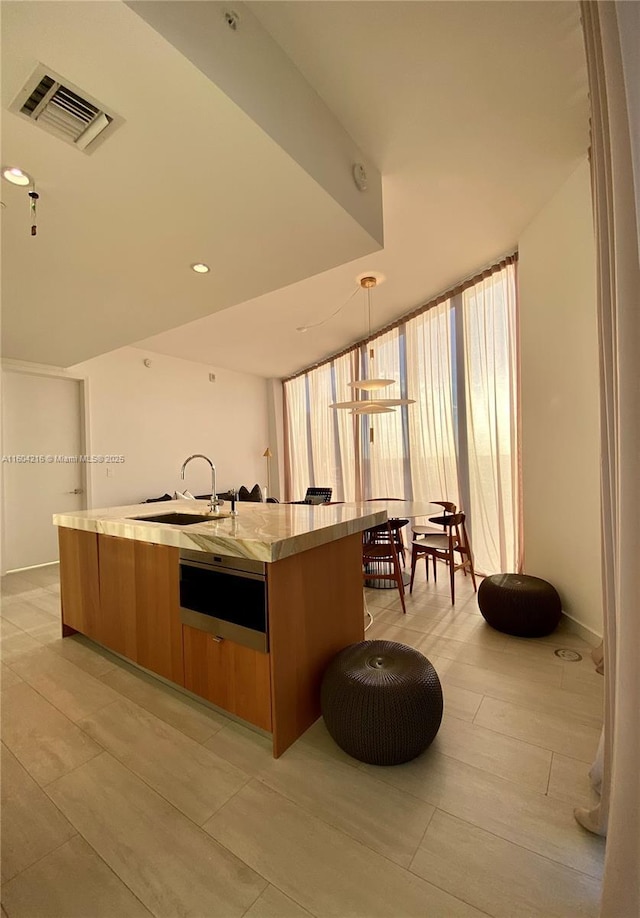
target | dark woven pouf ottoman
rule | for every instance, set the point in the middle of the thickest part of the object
(381, 702)
(519, 604)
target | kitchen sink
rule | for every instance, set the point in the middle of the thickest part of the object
(180, 519)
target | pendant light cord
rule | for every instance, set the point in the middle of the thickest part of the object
(33, 198)
(369, 347)
(304, 328)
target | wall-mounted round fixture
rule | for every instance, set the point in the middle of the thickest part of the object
(200, 268)
(360, 176)
(232, 19)
(16, 176)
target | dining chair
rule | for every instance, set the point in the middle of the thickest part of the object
(397, 525)
(444, 546)
(314, 493)
(448, 507)
(380, 558)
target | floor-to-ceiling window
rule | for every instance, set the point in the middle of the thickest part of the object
(457, 358)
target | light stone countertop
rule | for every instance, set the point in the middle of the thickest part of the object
(264, 532)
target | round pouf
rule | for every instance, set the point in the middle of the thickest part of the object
(519, 604)
(381, 702)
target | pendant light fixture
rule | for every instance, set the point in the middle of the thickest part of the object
(21, 178)
(371, 383)
(371, 403)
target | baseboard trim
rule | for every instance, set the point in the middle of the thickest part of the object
(32, 567)
(592, 637)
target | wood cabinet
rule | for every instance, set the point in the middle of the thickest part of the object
(157, 602)
(315, 609)
(234, 677)
(125, 595)
(117, 622)
(79, 583)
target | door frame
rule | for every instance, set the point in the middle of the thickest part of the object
(38, 369)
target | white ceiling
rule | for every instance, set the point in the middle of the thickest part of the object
(474, 112)
(188, 177)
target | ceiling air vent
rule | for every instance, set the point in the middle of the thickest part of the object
(62, 109)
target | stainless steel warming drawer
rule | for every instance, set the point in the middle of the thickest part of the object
(225, 596)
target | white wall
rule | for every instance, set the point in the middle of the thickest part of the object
(158, 416)
(560, 400)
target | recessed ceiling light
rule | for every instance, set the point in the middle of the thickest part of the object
(16, 176)
(200, 268)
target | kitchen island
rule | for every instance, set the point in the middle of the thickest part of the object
(120, 580)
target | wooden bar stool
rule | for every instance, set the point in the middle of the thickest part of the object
(380, 558)
(397, 525)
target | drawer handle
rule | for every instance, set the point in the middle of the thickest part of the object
(217, 638)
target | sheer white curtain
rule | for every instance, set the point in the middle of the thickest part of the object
(321, 443)
(458, 442)
(297, 457)
(332, 433)
(384, 467)
(322, 428)
(347, 484)
(490, 372)
(611, 32)
(430, 380)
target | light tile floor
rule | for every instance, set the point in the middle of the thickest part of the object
(124, 797)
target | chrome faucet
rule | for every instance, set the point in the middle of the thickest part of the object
(215, 503)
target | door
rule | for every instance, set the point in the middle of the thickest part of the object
(41, 426)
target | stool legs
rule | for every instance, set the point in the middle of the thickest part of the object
(414, 558)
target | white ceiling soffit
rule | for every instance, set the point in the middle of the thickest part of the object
(234, 50)
(475, 112)
(187, 177)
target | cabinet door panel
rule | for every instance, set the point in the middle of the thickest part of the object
(79, 581)
(234, 677)
(158, 627)
(117, 628)
(315, 609)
